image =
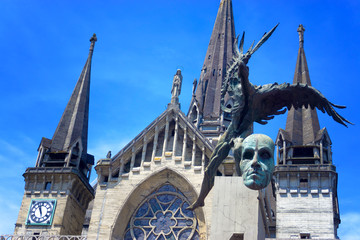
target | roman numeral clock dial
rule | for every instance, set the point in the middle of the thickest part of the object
(41, 212)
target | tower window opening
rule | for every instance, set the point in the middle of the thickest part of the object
(303, 182)
(206, 85)
(209, 56)
(303, 152)
(214, 71)
(47, 186)
(106, 179)
(194, 115)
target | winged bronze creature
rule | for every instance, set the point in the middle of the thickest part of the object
(256, 104)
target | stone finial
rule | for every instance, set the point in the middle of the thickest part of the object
(301, 31)
(93, 39)
(194, 86)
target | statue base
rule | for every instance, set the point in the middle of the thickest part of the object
(238, 212)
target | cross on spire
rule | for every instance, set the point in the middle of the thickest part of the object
(301, 31)
(93, 39)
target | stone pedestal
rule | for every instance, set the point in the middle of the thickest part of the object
(236, 211)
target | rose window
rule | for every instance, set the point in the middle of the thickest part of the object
(163, 215)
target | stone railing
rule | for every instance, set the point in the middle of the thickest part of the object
(314, 167)
(60, 170)
(37, 237)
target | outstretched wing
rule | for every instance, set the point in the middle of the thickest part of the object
(273, 99)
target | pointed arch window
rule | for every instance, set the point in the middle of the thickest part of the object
(194, 114)
(163, 215)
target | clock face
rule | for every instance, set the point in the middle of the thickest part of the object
(41, 212)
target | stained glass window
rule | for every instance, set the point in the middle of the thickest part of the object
(163, 215)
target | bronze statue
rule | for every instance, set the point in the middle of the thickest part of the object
(256, 157)
(256, 104)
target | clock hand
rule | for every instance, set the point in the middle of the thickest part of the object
(40, 211)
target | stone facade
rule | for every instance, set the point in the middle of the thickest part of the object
(120, 191)
(72, 195)
(172, 153)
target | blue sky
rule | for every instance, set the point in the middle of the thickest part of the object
(44, 45)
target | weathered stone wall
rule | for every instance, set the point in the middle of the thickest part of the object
(72, 198)
(116, 201)
(237, 209)
(305, 203)
(305, 213)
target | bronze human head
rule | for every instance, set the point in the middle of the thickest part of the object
(255, 156)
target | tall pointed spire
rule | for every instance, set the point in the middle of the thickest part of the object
(218, 55)
(73, 124)
(68, 146)
(302, 125)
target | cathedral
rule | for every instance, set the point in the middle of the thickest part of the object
(143, 191)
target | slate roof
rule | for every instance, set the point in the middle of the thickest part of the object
(218, 55)
(74, 121)
(302, 125)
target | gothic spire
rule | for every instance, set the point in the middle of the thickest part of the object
(302, 125)
(73, 124)
(218, 55)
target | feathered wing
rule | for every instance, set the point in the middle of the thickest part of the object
(271, 99)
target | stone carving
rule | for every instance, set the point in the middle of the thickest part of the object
(176, 87)
(194, 86)
(108, 155)
(255, 157)
(256, 104)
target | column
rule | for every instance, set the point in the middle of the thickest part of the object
(175, 137)
(166, 136)
(132, 156)
(155, 142)
(284, 152)
(183, 156)
(193, 151)
(144, 150)
(321, 153)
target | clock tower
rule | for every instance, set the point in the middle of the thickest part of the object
(57, 189)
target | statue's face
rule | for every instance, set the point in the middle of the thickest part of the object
(257, 160)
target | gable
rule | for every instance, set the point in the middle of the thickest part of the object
(170, 137)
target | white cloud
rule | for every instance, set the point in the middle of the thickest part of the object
(11, 149)
(9, 208)
(349, 227)
(14, 160)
